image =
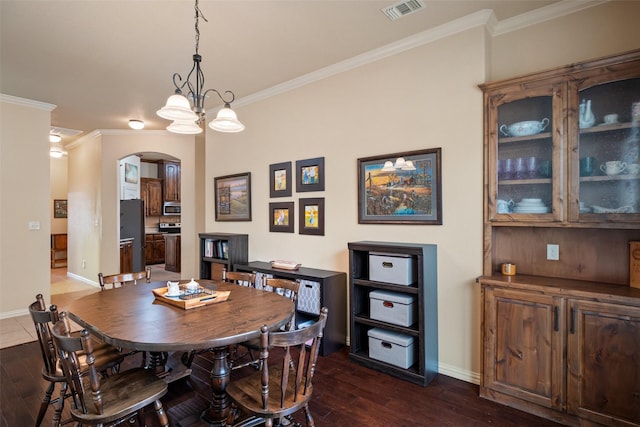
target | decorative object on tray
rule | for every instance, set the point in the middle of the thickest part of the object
(407, 192)
(525, 128)
(285, 265)
(193, 297)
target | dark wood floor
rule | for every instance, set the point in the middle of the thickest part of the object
(345, 394)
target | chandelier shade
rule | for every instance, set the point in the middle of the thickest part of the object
(226, 121)
(186, 117)
(185, 127)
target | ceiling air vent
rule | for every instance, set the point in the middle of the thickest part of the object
(401, 9)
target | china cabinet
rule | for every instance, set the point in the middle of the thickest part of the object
(423, 288)
(560, 338)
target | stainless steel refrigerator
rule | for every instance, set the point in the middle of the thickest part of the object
(132, 226)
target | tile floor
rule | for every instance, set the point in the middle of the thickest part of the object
(20, 329)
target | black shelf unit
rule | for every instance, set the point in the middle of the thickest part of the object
(332, 287)
(425, 289)
(237, 252)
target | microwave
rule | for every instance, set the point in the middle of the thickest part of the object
(171, 208)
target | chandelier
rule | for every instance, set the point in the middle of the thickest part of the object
(187, 119)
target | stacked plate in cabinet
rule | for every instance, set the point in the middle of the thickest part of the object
(531, 206)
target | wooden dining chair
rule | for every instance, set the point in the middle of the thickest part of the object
(107, 358)
(284, 287)
(117, 280)
(284, 383)
(108, 400)
(239, 278)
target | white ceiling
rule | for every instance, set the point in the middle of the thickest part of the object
(104, 62)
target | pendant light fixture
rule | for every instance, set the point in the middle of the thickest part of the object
(188, 119)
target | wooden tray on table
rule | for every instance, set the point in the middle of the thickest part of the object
(188, 300)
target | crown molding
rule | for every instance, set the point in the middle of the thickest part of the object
(547, 13)
(484, 17)
(10, 99)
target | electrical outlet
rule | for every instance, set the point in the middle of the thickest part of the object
(34, 225)
(553, 252)
(84, 264)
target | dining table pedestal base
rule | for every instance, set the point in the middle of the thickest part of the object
(216, 414)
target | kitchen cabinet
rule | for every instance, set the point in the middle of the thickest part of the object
(154, 248)
(172, 251)
(424, 287)
(169, 173)
(151, 194)
(219, 251)
(126, 256)
(318, 288)
(58, 250)
(546, 146)
(562, 349)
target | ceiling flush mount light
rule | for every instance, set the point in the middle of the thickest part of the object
(136, 124)
(54, 138)
(187, 119)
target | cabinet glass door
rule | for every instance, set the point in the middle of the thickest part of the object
(608, 162)
(527, 160)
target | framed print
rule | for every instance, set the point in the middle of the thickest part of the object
(233, 197)
(400, 188)
(281, 217)
(310, 175)
(280, 179)
(130, 173)
(59, 208)
(311, 216)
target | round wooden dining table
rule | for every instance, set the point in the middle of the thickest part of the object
(131, 317)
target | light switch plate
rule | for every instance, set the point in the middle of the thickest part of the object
(553, 252)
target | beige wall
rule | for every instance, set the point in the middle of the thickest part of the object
(24, 197)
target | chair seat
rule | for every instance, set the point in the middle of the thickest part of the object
(122, 394)
(243, 391)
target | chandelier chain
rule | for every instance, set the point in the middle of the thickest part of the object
(198, 15)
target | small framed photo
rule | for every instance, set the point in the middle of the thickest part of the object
(280, 180)
(281, 217)
(401, 188)
(310, 175)
(311, 216)
(233, 197)
(59, 208)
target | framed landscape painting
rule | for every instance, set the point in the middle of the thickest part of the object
(400, 188)
(233, 197)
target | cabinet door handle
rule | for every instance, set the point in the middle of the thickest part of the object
(556, 312)
(573, 321)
